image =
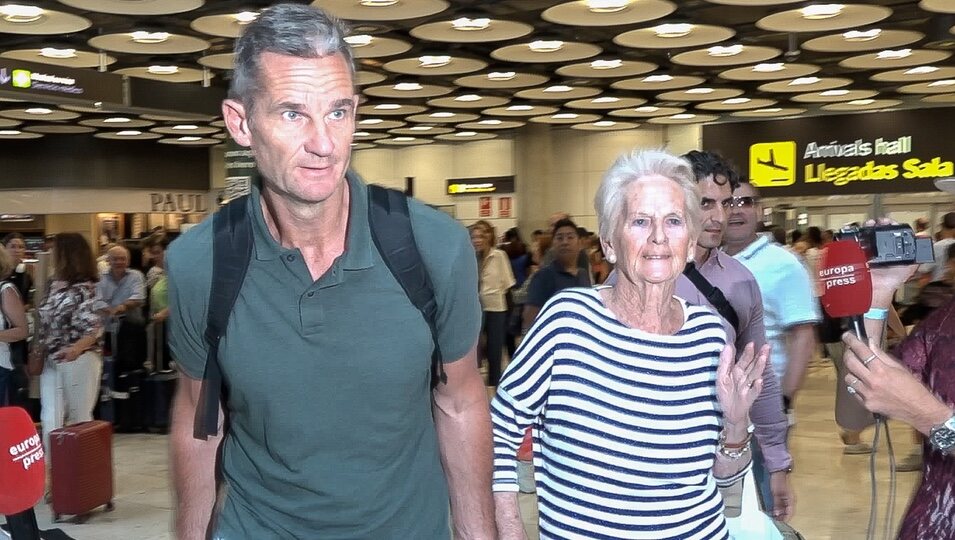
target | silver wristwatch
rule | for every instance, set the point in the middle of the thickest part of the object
(942, 437)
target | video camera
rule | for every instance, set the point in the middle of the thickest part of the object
(887, 245)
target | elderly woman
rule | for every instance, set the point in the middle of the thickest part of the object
(637, 408)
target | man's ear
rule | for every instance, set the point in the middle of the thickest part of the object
(237, 122)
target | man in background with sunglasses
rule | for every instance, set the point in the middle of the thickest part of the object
(718, 179)
(790, 311)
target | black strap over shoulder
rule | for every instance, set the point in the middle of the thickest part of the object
(231, 253)
(394, 237)
(712, 294)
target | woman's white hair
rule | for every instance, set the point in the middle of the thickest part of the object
(635, 166)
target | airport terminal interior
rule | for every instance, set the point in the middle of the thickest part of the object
(501, 111)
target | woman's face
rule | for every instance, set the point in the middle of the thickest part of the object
(157, 255)
(652, 238)
(479, 239)
(18, 248)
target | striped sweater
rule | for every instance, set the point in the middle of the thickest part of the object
(625, 423)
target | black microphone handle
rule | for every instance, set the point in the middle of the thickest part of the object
(857, 325)
(23, 526)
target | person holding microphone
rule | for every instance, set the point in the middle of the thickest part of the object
(916, 385)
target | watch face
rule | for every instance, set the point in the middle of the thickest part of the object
(943, 439)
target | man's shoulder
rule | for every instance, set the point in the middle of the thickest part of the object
(435, 231)
(192, 251)
(736, 268)
(775, 256)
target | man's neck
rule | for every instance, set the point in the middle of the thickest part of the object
(732, 248)
(569, 266)
(296, 225)
(702, 255)
(318, 230)
(117, 275)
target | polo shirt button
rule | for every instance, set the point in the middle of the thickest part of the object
(290, 258)
(311, 294)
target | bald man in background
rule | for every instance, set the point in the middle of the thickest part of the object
(121, 287)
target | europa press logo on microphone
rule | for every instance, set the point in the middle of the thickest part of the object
(28, 452)
(838, 276)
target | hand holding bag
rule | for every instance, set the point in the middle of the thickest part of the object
(752, 523)
(36, 359)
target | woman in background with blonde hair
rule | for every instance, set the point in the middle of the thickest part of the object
(494, 279)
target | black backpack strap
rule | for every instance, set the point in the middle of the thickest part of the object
(712, 294)
(394, 237)
(231, 253)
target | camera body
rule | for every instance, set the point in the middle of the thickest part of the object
(887, 245)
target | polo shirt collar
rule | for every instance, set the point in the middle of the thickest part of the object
(717, 257)
(751, 250)
(358, 243)
(109, 275)
(560, 268)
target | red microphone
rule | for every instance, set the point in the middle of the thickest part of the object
(846, 284)
(22, 472)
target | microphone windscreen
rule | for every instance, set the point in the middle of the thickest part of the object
(22, 464)
(844, 280)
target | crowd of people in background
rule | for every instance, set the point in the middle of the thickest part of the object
(59, 337)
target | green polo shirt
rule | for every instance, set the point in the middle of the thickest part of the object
(330, 429)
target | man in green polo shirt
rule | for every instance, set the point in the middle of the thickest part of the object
(333, 431)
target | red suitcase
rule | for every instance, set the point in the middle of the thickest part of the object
(82, 468)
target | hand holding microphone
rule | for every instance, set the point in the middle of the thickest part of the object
(885, 386)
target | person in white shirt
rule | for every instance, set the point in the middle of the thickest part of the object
(495, 279)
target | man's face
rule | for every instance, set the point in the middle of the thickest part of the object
(745, 215)
(118, 261)
(717, 198)
(566, 243)
(301, 126)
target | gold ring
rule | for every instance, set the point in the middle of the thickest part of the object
(868, 360)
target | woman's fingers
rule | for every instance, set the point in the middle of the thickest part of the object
(727, 358)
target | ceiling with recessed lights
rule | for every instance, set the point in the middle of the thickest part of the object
(460, 70)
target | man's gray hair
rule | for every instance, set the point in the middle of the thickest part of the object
(635, 166)
(290, 29)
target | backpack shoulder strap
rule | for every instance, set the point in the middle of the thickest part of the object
(713, 294)
(393, 235)
(231, 253)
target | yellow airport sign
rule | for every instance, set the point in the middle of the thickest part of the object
(772, 164)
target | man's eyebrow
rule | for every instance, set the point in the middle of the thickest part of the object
(343, 103)
(290, 105)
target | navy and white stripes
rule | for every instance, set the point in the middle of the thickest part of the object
(625, 423)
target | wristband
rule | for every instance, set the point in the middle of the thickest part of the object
(877, 314)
